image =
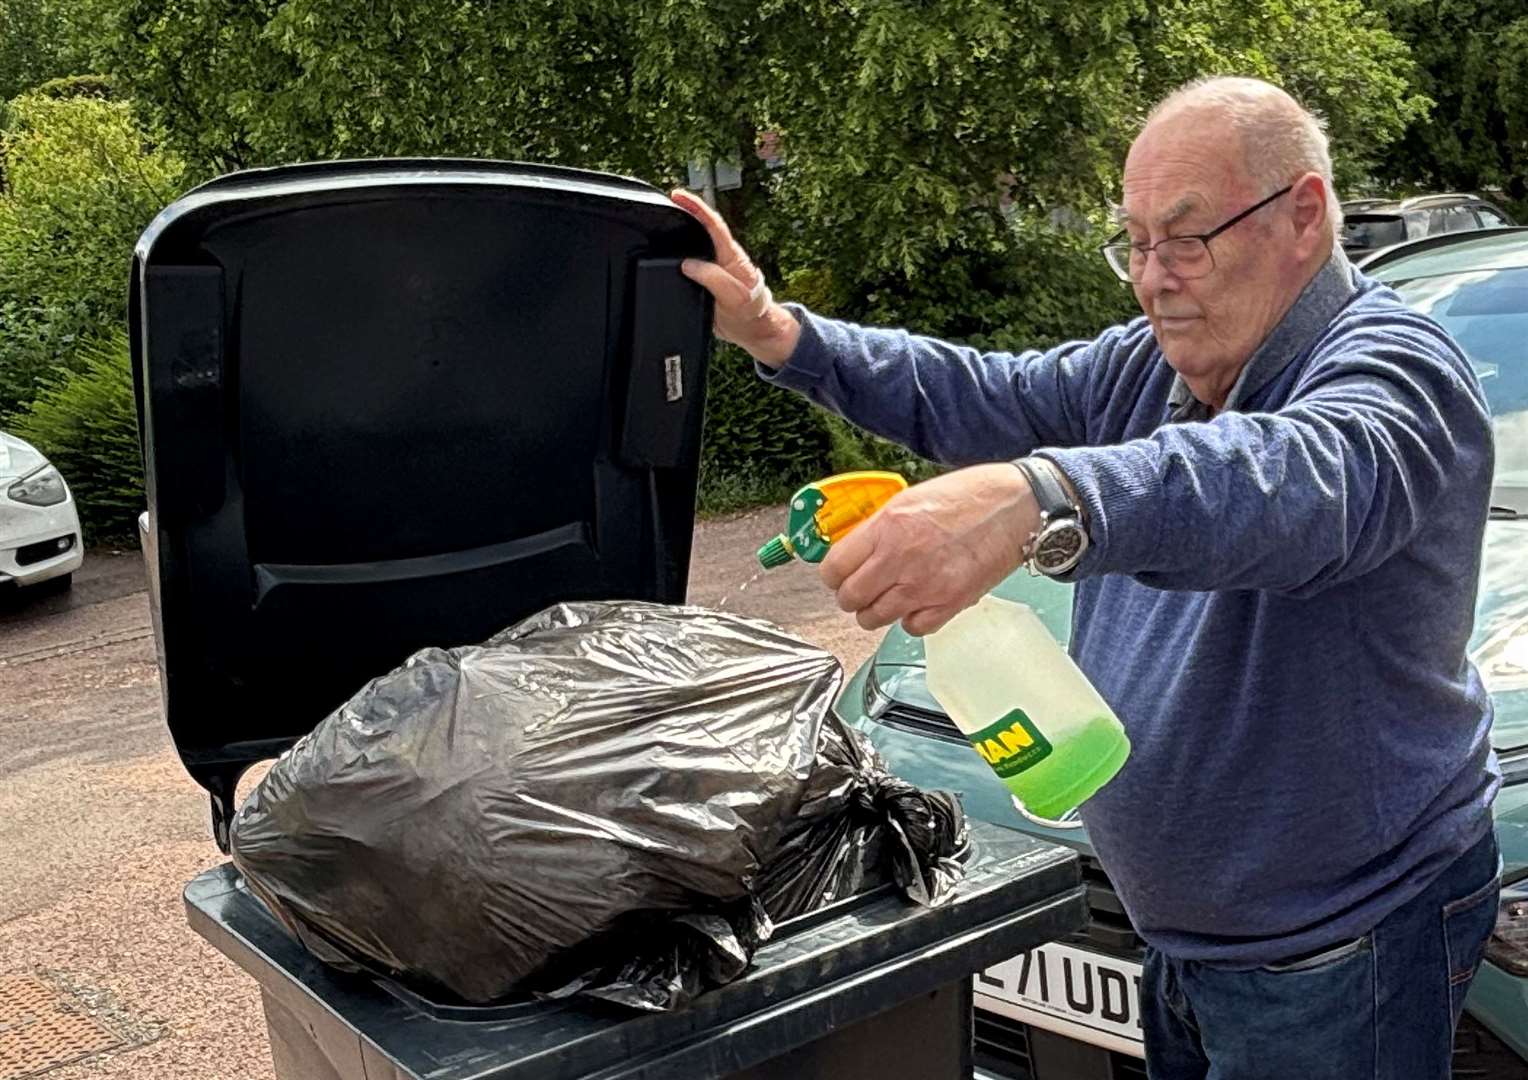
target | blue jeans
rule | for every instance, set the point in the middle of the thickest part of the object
(1382, 1007)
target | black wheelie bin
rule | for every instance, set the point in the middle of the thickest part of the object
(387, 405)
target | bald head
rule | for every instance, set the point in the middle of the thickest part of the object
(1277, 140)
(1229, 213)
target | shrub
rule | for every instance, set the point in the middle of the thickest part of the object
(760, 442)
(81, 182)
(86, 422)
(101, 87)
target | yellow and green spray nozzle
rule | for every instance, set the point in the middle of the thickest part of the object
(826, 511)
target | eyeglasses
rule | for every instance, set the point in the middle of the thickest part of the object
(1185, 257)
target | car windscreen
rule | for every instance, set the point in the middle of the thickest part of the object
(1486, 311)
(1369, 231)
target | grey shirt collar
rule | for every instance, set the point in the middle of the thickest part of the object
(1326, 294)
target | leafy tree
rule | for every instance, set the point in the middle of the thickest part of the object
(44, 39)
(1472, 59)
(898, 119)
(926, 144)
(29, 34)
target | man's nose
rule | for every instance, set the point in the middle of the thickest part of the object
(1156, 277)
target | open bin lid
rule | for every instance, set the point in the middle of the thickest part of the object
(386, 405)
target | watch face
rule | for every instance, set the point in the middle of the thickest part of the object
(1059, 549)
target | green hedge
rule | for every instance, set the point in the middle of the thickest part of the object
(85, 421)
(80, 183)
(102, 87)
(761, 443)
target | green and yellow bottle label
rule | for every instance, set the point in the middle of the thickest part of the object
(1011, 745)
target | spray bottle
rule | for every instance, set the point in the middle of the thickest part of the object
(826, 511)
(1001, 678)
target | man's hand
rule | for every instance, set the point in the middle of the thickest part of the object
(746, 313)
(934, 549)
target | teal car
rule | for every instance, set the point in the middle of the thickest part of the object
(1069, 1010)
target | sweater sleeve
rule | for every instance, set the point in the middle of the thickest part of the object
(1296, 500)
(950, 403)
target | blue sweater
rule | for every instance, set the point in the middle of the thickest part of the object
(1276, 602)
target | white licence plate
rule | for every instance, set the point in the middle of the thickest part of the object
(1084, 995)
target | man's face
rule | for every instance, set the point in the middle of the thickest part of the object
(1184, 176)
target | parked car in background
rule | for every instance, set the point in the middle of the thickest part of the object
(1371, 224)
(40, 537)
(1070, 1010)
(1357, 206)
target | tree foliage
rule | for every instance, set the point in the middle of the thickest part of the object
(30, 36)
(946, 162)
(903, 124)
(45, 39)
(927, 144)
(81, 183)
(1472, 61)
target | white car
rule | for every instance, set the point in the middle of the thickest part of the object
(39, 525)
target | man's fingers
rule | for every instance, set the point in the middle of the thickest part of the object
(846, 555)
(760, 299)
(714, 224)
(729, 253)
(865, 585)
(887, 608)
(928, 620)
(730, 294)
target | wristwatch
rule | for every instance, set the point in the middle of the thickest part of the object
(1062, 539)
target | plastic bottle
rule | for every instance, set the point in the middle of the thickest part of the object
(1025, 706)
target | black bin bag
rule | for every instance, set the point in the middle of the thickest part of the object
(616, 799)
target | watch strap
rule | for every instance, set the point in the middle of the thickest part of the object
(1049, 493)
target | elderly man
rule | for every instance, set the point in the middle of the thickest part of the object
(1271, 491)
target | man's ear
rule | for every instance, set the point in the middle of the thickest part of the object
(1313, 228)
